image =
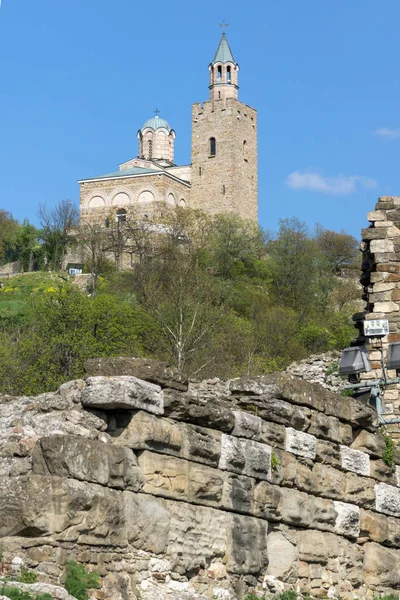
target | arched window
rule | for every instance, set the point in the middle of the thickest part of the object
(121, 216)
(213, 147)
(228, 74)
(245, 151)
(219, 73)
(150, 149)
(219, 95)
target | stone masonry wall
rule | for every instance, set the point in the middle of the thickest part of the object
(381, 281)
(228, 181)
(199, 491)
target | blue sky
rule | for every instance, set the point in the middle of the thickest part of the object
(79, 77)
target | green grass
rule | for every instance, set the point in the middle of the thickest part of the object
(17, 292)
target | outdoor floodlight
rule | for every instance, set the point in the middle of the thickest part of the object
(354, 361)
(393, 356)
(376, 328)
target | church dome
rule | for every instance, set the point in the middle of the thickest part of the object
(156, 123)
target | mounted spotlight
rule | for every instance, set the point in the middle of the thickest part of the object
(393, 356)
(353, 362)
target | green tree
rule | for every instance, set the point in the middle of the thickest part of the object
(298, 278)
(340, 249)
(56, 232)
(65, 329)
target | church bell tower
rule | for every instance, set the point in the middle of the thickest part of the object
(224, 144)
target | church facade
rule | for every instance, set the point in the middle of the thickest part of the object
(221, 178)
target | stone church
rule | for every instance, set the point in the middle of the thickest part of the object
(222, 176)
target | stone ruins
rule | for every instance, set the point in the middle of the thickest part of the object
(381, 281)
(175, 490)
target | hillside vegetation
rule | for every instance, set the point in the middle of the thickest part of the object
(212, 296)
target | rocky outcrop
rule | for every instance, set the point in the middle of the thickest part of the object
(259, 484)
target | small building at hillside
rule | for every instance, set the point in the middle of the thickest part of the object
(221, 178)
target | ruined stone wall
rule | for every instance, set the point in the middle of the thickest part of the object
(199, 491)
(381, 281)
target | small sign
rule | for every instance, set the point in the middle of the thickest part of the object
(376, 328)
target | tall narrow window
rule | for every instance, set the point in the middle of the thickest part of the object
(228, 74)
(245, 150)
(213, 147)
(121, 216)
(219, 95)
(150, 149)
(219, 74)
(223, 189)
(200, 171)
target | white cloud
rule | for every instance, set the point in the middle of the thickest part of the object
(387, 134)
(341, 185)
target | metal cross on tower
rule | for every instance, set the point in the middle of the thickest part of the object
(223, 25)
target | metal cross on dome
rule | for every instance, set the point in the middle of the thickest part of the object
(223, 25)
(156, 111)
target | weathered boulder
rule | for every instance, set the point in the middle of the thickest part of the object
(148, 369)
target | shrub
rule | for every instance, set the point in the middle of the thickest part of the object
(79, 581)
(27, 576)
(388, 455)
(15, 594)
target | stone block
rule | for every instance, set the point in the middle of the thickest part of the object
(181, 480)
(374, 526)
(300, 443)
(324, 426)
(247, 425)
(87, 460)
(358, 490)
(143, 431)
(377, 215)
(210, 412)
(386, 307)
(387, 499)
(348, 519)
(383, 287)
(69, 510)
(397, 475)
(372, 444)
(384, 245)
(283, 558)
(246, 545)
(355, 461)
(246, 457)
(382, 472)
(148, 369)
(125, 392)
(373, 233)
(147, 522)
(381, 566)
(328, 453)
(317, 547)
(273, 434)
